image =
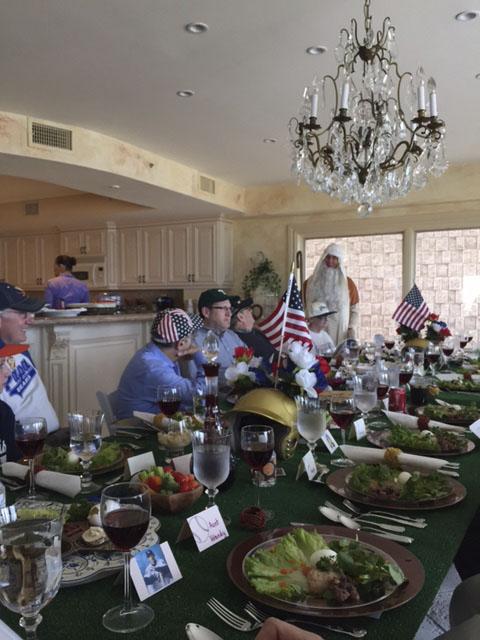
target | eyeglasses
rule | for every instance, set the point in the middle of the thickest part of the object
(226, 309)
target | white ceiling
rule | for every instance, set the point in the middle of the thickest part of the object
(114, 66)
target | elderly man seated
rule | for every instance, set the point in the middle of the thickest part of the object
(24, 390)
(243, 324)
(156, 366)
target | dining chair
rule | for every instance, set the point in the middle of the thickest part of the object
(106, 402)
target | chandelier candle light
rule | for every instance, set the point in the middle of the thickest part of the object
(382, 141)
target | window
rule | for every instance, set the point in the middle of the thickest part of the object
(448, 275)
(375, 265)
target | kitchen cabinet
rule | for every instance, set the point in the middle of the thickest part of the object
(142, 256)
(87, 242)
(9, 260)
(37, 255)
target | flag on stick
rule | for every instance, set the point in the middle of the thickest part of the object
(412, 311)
(288, 318)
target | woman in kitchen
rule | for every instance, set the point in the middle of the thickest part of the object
(65, 288)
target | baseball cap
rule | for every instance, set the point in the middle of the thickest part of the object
(15, 298)
(319, 309)
(7, 350)
(171, 325)
(238, 304)
(210, 297)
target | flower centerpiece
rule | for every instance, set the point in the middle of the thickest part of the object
(436, 330)
(300, 371)
(246, 371)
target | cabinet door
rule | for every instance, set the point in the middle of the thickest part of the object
(154, 257)
(72, 243)
(9, 259)
(179, 255)
(130, 256)
(94, 242)
(204, 253)
(47, 248)
(31, 269)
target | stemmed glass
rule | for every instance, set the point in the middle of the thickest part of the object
(342, 411)
(257, 443)
(85, 442)
(210, 347)
(31, 568)
(125, 511)
(382, 385)
(168, 400)
(389, 344)
(406, 372)
(365, 393)
(211, 461)
(432, 355)
(30, 434)
(311, 420)
(369, 350)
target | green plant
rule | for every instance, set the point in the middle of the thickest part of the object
(262, 274)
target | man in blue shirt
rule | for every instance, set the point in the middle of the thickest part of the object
(156, 367)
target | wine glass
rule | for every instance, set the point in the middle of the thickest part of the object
(311, 420)
(210, 347)
(168, 400)
(85, 442)
(31, 568)
(389, 344)
(447, 349)
(125, 510)
(342, 411)
(30, 434)
(432, 356)
(382, 385)
(257, 443)
(369, 351)
(365, 393)
(406, 372)
(211, 461)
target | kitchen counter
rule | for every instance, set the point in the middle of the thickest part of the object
(43, 321)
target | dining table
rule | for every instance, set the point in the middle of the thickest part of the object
(76, 611)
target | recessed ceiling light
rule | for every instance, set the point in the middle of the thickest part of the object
(186, 93)
(196, 27)
(316, 51)
(114, 186)
(465, 16)
(270, 140)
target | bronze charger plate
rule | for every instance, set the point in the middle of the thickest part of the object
(338, 483)
(408, 563)
(381, 439)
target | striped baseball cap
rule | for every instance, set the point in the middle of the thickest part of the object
(171, 325)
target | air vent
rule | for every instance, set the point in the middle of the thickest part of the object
(48, 135)
(32, 209)
(207, 185)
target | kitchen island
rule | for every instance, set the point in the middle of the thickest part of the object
(79, 356)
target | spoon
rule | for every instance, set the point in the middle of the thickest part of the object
(195, 631)
(334, 516)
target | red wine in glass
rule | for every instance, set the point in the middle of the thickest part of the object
(469, 338)
(405, 377)
(125, 527)
(30, 444)
(447, 351)
(257, 455)
(432, 358)
(382, 390)
(169, 407)
(463, 343)
(389, 344)
(343, 418)
(336, 382)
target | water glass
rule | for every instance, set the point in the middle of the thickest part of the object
(365, 393)
(211, 460)
(311, 420)
(30, 434)
(210, 347)
(85, 442)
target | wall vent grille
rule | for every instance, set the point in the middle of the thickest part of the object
(47, 135)
(207, 185)
(32, 209)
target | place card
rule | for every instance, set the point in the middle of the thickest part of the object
(360, 428)
(183, 463)
(154, 569)
(207, 528)
(329, 441)
(475, 428)
(310, 465)
(140, 462)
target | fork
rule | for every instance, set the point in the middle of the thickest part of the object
(355, 509)
(260, 617)
(231, 618)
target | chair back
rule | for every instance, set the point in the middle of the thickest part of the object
(106, 402)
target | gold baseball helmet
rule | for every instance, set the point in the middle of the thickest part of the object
(270, 407)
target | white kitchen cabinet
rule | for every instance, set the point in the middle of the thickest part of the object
(142, 256)
(90, 242)
(9, 263)
(36, 256)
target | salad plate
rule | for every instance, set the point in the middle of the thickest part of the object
(56, 459)
(338, 483)
(396, 555)
(461, 416)
(383, 439)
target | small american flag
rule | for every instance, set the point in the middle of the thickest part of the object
(412, 311)
(295, 324)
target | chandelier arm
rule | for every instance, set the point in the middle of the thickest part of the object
(382, 34)
(391, 163)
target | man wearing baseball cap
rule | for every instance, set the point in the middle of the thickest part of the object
(24, 390)
(215, 307)
(243, 324)
(156, 366)
(318, 313)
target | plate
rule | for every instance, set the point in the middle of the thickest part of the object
(337, 482)
(88, 566)
(408, 563)
(450, 415)
(380, 439)
(63, 313)
(92, 305)
(98, 471)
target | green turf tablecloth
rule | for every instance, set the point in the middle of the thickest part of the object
(76, 612)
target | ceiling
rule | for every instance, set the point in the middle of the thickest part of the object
(114, 66)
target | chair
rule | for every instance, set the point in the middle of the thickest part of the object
(105, 400)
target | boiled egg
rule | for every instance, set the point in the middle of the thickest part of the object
(404, 477)
(427, 434)
(329, 554)
(94, 517)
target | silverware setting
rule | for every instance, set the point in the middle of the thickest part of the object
(361, 518)
(348, 522)
(230, 618)
(357, 515)
(381, 513)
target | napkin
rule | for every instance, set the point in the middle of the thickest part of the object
(145, 416)
(411, 422)
(406, 460)
(14, 470)
(64, 483)
(448, 377)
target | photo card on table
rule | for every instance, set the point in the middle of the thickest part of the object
(154, 569)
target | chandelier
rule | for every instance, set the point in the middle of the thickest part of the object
(381, 141)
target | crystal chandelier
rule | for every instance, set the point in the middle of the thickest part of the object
(381, 141)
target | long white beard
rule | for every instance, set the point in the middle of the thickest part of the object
(329, 287)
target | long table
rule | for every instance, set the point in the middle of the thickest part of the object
(76, 612)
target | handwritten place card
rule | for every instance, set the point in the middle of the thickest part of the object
(154, 569)
(207, 528)
(140, 462)
(475, 428)
(182, 463)
(360, 428)
(310, 465)
(329, 441)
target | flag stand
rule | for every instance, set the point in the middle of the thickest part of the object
(284, 322)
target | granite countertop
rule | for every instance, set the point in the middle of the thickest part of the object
(41, 321)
